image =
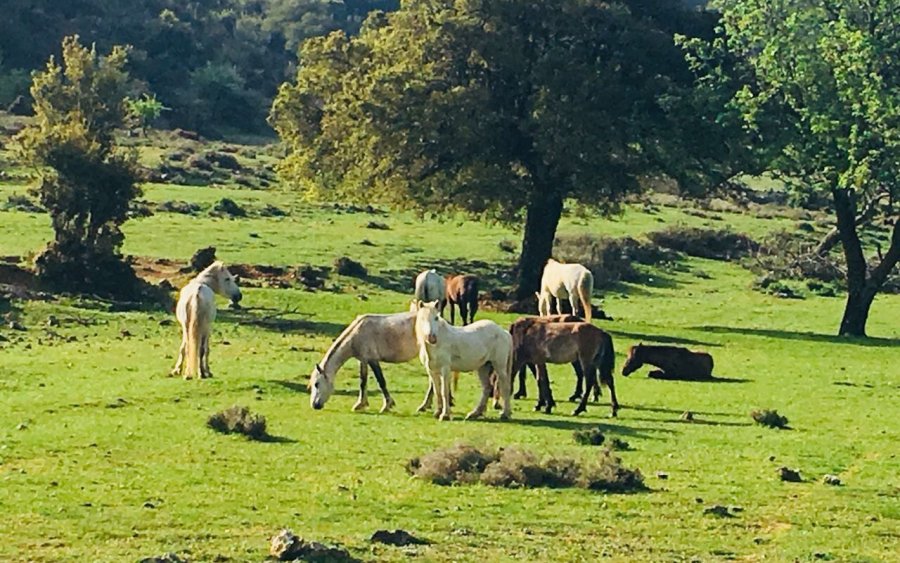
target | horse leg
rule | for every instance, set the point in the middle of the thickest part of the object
(521, 393)
(445, 382)
(204, 357)
(464, 312)
(538, 379)
(179, 362)
(504, 383)
(363, 401)
(453, 314)
(437, 386)
(572, 303)
(429, 395)
(487, 388)
(388, 402)
(613, 402)
(590, 373)
(579, 375)
(545, 391)
(559, 310)
(473, 308)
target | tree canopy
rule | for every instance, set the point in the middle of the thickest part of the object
(499, 108)
(824, 74)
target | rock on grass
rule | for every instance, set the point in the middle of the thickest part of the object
(790, 475)
(347, 266)
(285, 546)
(397, 537)
(239, 420)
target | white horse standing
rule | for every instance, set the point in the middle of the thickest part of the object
(483, 346)
(431, 286)
(369, 339)
(566, 280)
(196, 311)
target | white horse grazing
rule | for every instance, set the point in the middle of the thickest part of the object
(431, 286)
(482, 346)
(369, 339)
(566, 280)
(196, 311)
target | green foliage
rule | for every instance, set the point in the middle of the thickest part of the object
(145, 110)
(86, 182)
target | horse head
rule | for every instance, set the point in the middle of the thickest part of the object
(634, 361)
(428, 321)
(224, 282)
(320, 387)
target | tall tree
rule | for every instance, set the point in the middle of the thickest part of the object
(826, 74)
(500, 108)
(86, 182)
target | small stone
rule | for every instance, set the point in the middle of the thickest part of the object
(396, 537)
(789, 475)
(662, 475)
(832, 480)
(718, 510)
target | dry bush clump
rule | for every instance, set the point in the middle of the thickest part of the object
(769, 418)
(285, 546)
(610, 260)
(239, 420)
(458, 464)
(228, 207)
(515, 468)
(347, 266)
(717, 244)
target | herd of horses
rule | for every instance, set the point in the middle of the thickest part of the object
(483, 347)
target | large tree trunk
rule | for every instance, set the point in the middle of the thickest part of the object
(542, 218)
(862, 286)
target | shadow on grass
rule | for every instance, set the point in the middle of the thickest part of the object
(294, 386)
(644, 338)
(875, 342)
(694, 421)
(571, 424)
(281, 321)
(269, 439)
(664, 410)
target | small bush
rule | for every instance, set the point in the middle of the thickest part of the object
(717, 244)
(378, 226)
(619, 444)
(769, 418)
(229, 207)
(23, 203)
(507, 246)
(589, 437)
(183, 207)
(458, 464)
(346, 266)
(223, 160)
(512, 467)
(239, 420)
(272, 211)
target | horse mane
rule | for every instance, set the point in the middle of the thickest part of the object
(339, 341)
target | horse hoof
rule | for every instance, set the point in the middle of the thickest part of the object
(422, 409)
(548, 410)
(387, 406)
(360, 406)
(576, 412)
(520, 396)
(473, 415)
(537, 408)
(505, 416)
(497, 406)
(445, 416)
(575, 398)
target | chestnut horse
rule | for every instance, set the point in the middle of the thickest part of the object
(540, 343)
(674, 362)
(462, 291)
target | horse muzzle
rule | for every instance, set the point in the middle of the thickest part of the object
(237, 297)
(317, 405)
(432, 339)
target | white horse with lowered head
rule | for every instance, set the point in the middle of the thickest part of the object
(483, 346)
(369, 339)
(572, 281)
(196, 311)
(431, 286)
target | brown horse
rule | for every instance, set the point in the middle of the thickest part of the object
(674, 362)
(522, 392)
(462, 291)
(540, 343)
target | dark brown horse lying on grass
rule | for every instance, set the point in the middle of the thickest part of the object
(539, 342)
(579, 375)
(674, 362)
(462, 291)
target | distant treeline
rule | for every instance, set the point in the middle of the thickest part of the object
(215, 63)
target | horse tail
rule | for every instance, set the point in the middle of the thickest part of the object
(606, 358)
(192, 324)
(585, 291)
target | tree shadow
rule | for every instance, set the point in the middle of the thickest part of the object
(876, 342)
(490, 275)
(644, 338)
(677, 411)
(572, 424)
(280, 321)
(697, 421)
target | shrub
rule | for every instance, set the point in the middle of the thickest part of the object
(512, 467)
(23, 203)
(87, 182)
(229, 207)
(769, 418)
(346, 266)
(239, 420)
(589, 437)
(717, 244)
(610, 260)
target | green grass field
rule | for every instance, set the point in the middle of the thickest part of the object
(105, 458)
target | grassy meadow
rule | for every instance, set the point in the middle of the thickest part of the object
(105, 458)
